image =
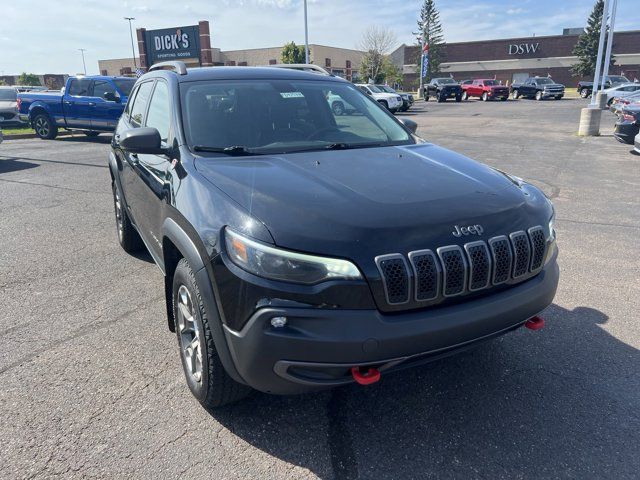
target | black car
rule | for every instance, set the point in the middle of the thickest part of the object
(539, 88)
(441, 89)
(301, 249)
(628, 124)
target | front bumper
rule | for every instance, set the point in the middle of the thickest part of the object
(552, 94)
(317, 347)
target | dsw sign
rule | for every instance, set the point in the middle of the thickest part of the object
(522, 48)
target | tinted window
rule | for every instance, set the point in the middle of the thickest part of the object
(159, 116)
(124, 85)
(488, 83)
(446, 81)
(544, 81)
(79, 87)
(268, 116)
(374, 89)
(100, 87)
(140, 103)
(8, 94)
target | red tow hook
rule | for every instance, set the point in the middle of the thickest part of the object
(535, 323)
(372, 375)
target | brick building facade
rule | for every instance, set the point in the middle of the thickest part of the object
(513, 59)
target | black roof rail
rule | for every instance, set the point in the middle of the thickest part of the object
(177, 66)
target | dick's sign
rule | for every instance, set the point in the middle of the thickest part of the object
(173, 44)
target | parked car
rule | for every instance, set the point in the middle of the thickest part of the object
(9, 106)
(618, 103)
(391, 101)
(538, 88)
(302, 250)
(485, 89)
(585, 88)
(407, 98)
(441, 89)
(628, 124)
(89, 104)
(339, 105)
(621, 91)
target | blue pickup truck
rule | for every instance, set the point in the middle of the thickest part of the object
(89, 104)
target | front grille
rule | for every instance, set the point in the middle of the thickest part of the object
(396, 278)
(455, 270)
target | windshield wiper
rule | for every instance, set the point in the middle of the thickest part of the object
(232, 150)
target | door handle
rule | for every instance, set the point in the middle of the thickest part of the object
(67, 102)
(92, 104)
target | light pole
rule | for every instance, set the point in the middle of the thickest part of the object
(603, 31)
(607, 60)
(84, 65)
(306, 35)
(133, 51)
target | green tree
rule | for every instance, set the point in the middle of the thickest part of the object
(292, 53)
(430, 33)
(28, 79)
(2, 82)
(587, 47)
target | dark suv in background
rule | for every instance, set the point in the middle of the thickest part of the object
(441, 89)
(302, 249)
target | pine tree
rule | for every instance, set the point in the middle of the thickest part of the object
(587, 47)
(430, 32)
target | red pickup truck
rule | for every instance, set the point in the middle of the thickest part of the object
(486, 89)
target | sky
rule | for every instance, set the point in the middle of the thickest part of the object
(45, 36)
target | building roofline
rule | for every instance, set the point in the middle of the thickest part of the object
(300, 45)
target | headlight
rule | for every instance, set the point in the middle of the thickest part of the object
(270, 262)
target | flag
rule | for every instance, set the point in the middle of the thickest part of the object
(139, 72)
(425, 59)
(425, 64)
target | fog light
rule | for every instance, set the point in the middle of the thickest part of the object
(278, 322)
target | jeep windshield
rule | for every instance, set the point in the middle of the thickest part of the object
(446, 81)
(240, 117)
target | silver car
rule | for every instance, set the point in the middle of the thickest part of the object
(621, 91)
(9, 107)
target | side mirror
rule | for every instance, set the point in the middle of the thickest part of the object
(410, 124)
(111, 97)
(141, 140)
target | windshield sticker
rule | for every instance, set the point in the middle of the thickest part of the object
(291, 95)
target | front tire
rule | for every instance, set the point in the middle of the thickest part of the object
(485, 97)
(465, 96)
(459, 98)
(584, 93)
(206, 377)
(539, 95)
(515, 95)
(441, 98)
(128, 236)
(384, 104)
(44, 127)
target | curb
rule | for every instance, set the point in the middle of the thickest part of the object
(20, 136)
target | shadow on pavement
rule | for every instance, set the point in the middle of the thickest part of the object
(14, 164)
(562, 402)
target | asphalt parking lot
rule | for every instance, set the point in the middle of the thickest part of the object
(91, 381)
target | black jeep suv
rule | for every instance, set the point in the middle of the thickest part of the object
(441, 89)
(303, 250)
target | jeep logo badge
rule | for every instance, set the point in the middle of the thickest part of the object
(468, 230)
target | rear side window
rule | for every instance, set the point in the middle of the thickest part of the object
(79, 87)
(159, 116)
(127, 109)
(100, 87)
(8, 94)
(140, 103)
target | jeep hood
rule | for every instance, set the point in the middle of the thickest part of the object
(373, 201)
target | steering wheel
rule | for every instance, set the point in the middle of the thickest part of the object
(318, 133)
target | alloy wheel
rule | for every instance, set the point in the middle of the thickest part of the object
(190, 342)
(119, 213)
(42, 127)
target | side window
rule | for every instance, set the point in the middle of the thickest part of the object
(79, 87)
(159, 115)
(102, 87)
(140, 103)
(132, 98)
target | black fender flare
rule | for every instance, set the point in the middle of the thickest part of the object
(204, 279)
